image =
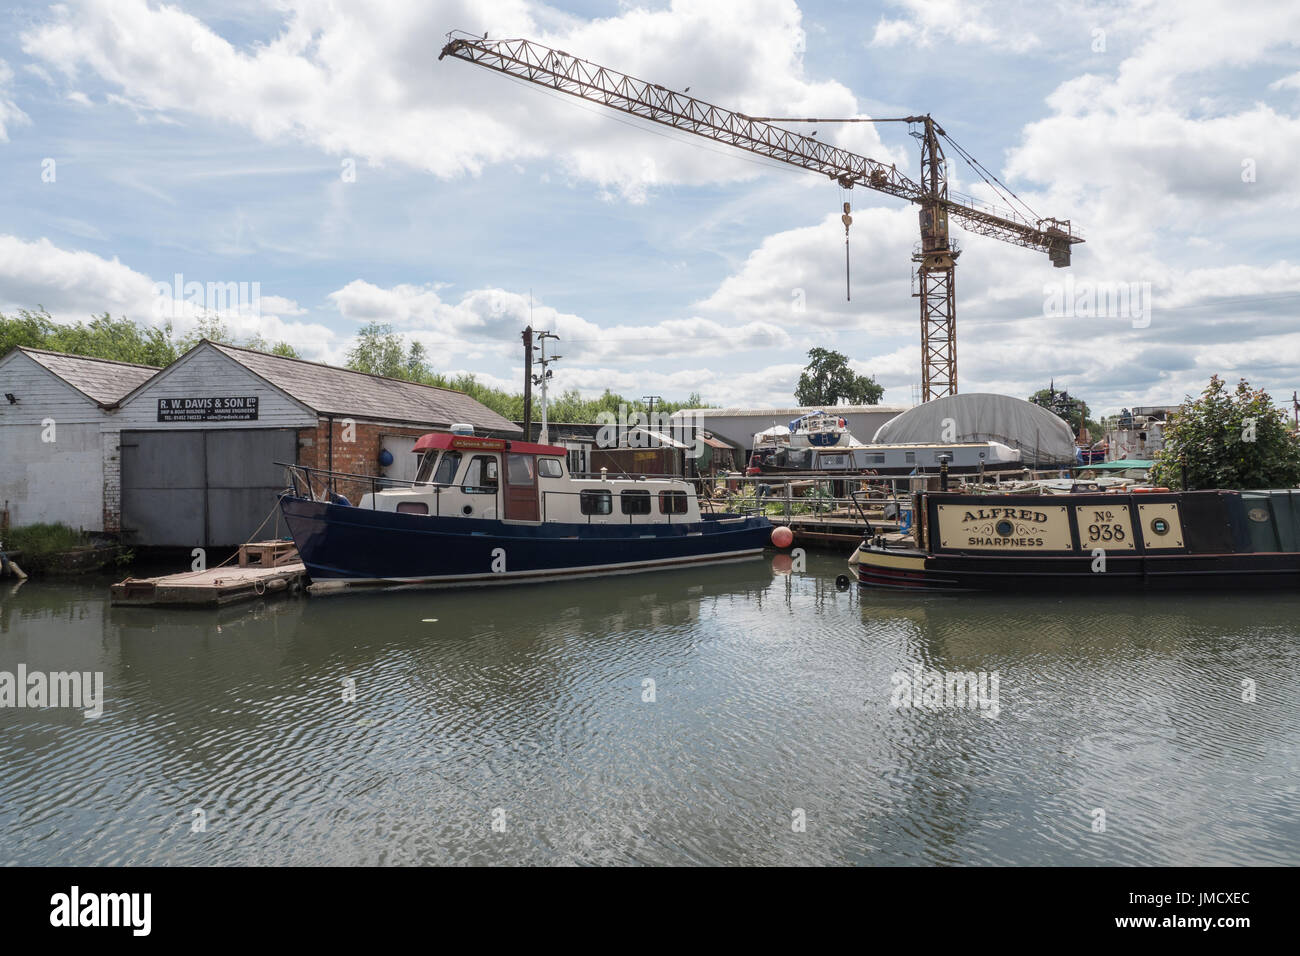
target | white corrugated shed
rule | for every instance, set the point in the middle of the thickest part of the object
(1041, 436)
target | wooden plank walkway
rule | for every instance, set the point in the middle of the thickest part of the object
(832, 529)
(214, 588)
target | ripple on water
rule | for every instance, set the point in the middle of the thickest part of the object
(771, 708)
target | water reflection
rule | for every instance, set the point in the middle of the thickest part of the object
(684, 716)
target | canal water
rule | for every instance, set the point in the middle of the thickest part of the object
(744, 714)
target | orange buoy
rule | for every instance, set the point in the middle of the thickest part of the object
(782, 536)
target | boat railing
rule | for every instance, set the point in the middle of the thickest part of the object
(322, 484)
(302, 481)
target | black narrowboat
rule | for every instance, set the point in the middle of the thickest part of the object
(1155, 540)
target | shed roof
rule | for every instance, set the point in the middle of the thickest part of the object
(103, 381)
(330, 390)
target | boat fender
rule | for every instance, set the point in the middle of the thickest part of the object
(338, 499)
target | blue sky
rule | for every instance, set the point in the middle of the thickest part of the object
(214, 141)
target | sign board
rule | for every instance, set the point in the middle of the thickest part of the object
(990, 528)
(208, 409)
(1105, 526)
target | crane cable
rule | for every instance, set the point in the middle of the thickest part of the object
(996, 184)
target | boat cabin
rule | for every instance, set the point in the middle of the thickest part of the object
(498, 479)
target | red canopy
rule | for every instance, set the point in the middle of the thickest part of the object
(443, 440)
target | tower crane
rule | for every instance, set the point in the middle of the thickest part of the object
(935, 256)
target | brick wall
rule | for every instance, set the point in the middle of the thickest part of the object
(112, 452)
(360, 456)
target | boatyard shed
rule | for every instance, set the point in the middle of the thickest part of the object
(1042, 438)
(53, 414)
(185, 456)
(199, 441)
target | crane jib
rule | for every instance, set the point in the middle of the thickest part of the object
(936, 255)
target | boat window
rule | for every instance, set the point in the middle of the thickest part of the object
(596, 502)
(635, 502)
(412, 508)
(480, 476)
(550, 468)
(672, 502)
(426, 467)
(447, 468)
(878, 458)
(910, 457)
(519, 469)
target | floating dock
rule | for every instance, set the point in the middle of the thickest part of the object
(215, 588)
(831, 529)
(265, 567)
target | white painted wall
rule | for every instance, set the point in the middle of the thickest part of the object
(205, 372)
(47, 481)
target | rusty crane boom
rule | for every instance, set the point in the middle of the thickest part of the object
(935, 256)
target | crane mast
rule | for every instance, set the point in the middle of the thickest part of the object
(935, 255)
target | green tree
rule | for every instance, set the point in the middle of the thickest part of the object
(378, 350)
(1074, 411)
(119, 339)
(1228, 439)
(211, 327)
(828, 380)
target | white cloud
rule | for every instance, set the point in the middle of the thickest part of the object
(10, 114)
(962, 21)
(1291, 82)
(358, 79)
(488, 321)
(75, 285)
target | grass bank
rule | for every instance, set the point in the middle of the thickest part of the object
(58, 549)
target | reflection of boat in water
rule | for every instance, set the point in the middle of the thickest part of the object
(491, 511)
(1132, 540)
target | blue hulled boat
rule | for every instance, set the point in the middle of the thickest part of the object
(488, 511)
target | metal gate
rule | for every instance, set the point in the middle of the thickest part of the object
(201, 488)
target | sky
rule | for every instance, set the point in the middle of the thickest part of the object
(312, 167)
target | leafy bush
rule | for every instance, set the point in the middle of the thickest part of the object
(1226, 439)
(36, 540)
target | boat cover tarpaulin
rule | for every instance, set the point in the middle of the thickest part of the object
(1042, 437)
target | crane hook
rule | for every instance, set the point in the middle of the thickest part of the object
(848, 221)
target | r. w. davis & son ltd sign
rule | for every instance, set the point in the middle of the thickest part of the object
(211, 409)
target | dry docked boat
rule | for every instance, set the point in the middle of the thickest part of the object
(492, 511)
(820, 443)
(1136, 539)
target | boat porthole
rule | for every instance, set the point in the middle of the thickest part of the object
(1004, 528)
(1159, 525)
(468, 509)
(1257, 514)
(842, 582)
